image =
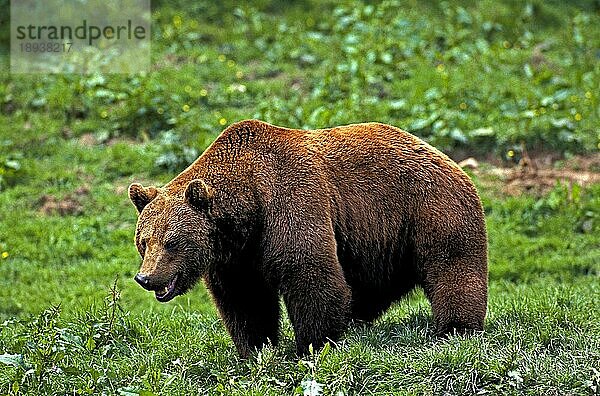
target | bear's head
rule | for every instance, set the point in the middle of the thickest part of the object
(175, 236)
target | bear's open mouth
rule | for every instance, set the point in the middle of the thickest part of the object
(168, 292)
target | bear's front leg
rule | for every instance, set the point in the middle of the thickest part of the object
(249, 308)
(300, 248)
(317, 299)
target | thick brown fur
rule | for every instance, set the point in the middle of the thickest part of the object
(340, 222)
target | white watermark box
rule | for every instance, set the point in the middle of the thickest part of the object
(80, 36)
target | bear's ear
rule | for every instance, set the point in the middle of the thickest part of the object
(199, 194)
(141, 196)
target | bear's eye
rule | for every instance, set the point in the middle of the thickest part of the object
(142, 248)
(171, 245)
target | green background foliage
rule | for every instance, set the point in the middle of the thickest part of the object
(486, 78)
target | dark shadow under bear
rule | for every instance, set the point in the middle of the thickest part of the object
(340, 222)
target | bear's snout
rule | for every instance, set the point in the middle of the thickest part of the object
(143, 281)
(164, 290)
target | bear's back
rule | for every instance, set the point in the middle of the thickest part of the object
(362, 163)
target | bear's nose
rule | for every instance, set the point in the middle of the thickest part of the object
(143, 281)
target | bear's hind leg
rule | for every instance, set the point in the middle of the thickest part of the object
(458, 297)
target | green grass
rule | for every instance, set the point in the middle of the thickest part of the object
(461, 76)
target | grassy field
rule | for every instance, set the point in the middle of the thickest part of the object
(501, 81)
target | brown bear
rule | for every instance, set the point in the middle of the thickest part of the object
(340, 222)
